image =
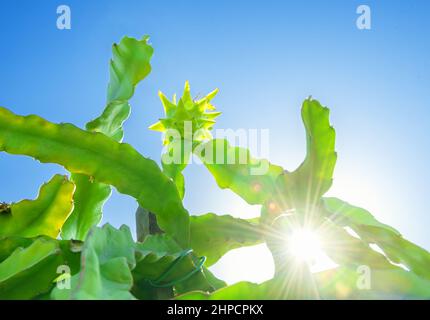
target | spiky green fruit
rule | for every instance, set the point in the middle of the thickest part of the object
(190, 118)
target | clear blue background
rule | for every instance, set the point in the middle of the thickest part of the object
(265, 57)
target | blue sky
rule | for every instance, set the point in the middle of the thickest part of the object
(265, 57)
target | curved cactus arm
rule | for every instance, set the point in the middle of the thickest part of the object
(346, 250)
(347, 283)
(129, 66)
(89, 199)
(234, 168)
(399, 250)
(43, 216)
(370, 230)
(102, 158)
(257, 181)
(30, 270)
(213, 236)
(347, 215)
(304, 187)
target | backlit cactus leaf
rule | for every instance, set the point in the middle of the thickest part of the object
(130, 64)
(174, 160)
(304, 187)
(347, 283)
(346, 215)
(9, 244)
(89, 199)
(234, 168)
(42, 216)
(107, 259)
(346, 250)
(100, 157)
(212, 235)
(162, 263)
(30, 271)
(396, 248)
(244, 290)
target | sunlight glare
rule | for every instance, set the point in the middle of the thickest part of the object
(254, 264)
(304, 245)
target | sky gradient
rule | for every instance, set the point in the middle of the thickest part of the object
(265, 57)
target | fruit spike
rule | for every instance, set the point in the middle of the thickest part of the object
(188, 110)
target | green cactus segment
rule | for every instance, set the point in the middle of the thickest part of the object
(338, 283)
(153, 263)
(89, 199)
(215, 282)
(162, 263)
(399, 250)
(213, 236)
(129, 66)
(107, 259)
(395, 247)
(243, 290)
(346, 250)
(203, 280)
(345, 214)
(174, 160)
(304, 187)
(111, 120)
(9, 244)
(347, 283)
(43, 216)
(234, 168)
(259, 182)
(31, 269)
(100, 157)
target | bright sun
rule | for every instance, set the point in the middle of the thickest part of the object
(304, 245)
(255, 263)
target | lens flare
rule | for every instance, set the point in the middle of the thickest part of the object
(304, 245)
